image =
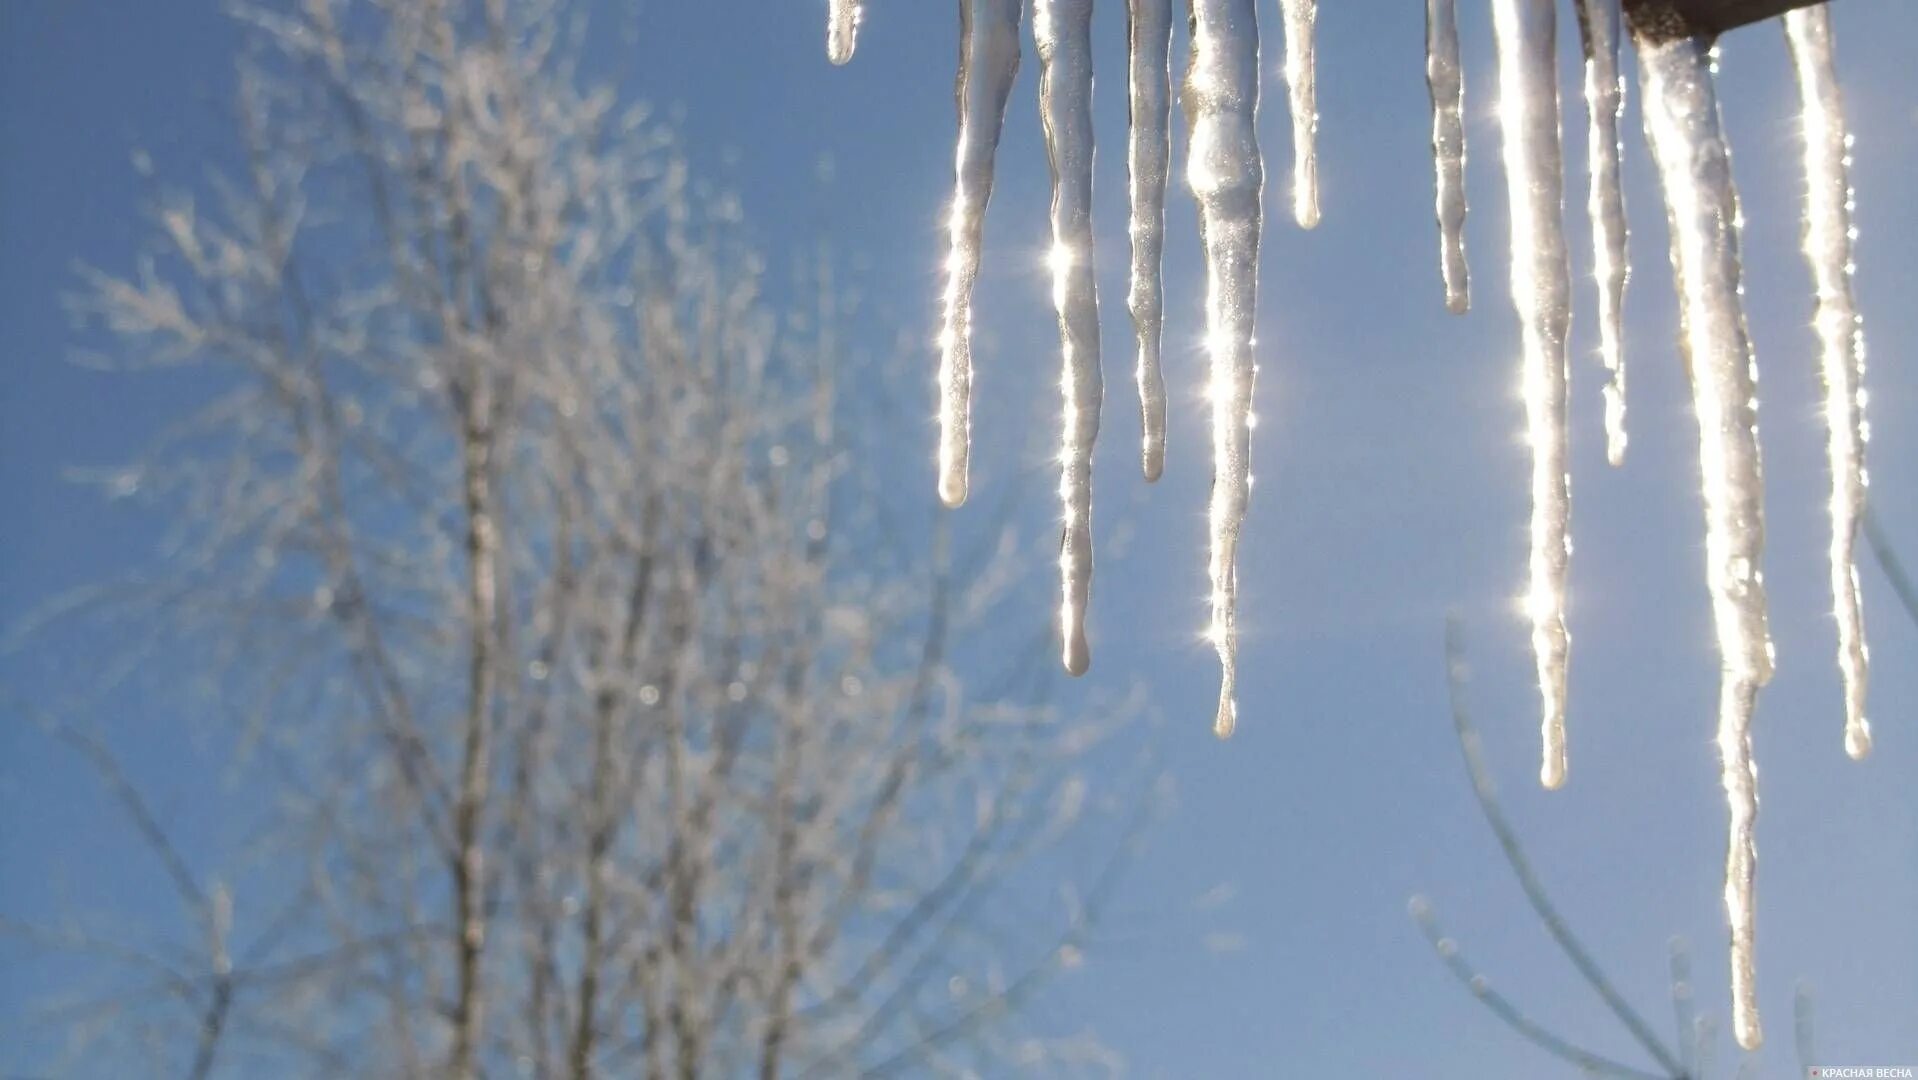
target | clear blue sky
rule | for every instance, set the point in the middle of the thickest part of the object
(1392, 487)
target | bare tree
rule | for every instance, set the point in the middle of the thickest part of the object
(609, 732)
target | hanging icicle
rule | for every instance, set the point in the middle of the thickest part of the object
(1447, 84)
(1599, 31)
(1149, 36)
(1541, 288)
(1694, 167)
(1062, 33)
(1828, 247)
(1301, 78)
(842, 29)
(988, 61)
(1227, 176)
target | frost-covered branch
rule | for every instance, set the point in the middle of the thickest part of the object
(607, 729)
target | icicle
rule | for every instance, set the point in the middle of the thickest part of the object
(1301, 78)
(1598, 22)
(1828, 247)
(1062, 30)
(842, 29)
(1227, 176)
(1447, 83)
(1541, 288)
(1694, 166)
(988, 61)
(1149, 28)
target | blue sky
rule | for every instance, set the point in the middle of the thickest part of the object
(1392, 488)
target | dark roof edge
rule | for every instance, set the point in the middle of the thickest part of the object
(1662, 20)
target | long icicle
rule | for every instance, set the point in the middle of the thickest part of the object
(842, 29)
(1541, 289)
(1828, 247)
(1227, 176)
(1149, 30)
(1446, 80)
(1062, 30)
(988, 61)
(1600, 30)
(1694, 167)
(1302, 81)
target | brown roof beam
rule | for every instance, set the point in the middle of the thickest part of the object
(1662, 20)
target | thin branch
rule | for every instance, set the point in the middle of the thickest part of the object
(1803, 1027)
(1684, 1013)
(212, 1027)
(1881, 549)
(1521, 865)
(1501, 1007)
(1033, 978)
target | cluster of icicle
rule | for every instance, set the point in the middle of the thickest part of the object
(1225, 171)
(1682, 125)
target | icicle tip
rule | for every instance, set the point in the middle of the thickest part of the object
(1858, 741)
(1746, 1029)
(1551, 772)
(953, 491)
(1077, 655)
(1227, 721)
(1305, 209)
(842, 30)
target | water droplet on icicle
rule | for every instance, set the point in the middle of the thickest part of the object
(1149, 34)
(1447, 84)
(1600, 30)
(1541, 288)
(1828, 247)
(988, 61)
(1694, 167)
(1062, 31)
(1227, 176)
